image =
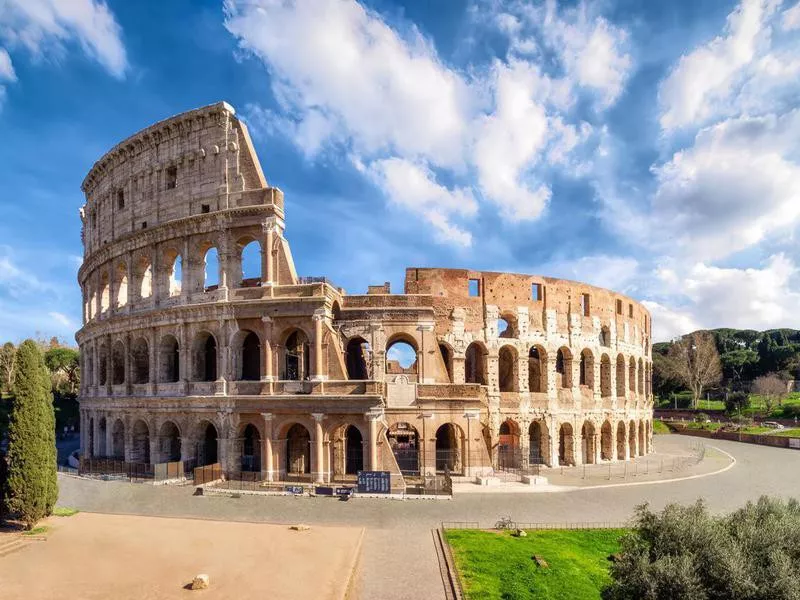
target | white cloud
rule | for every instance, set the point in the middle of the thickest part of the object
(6, 67)
(619, 273)
(791, 18)
(62, 319)
(703, 80)
(43, 27)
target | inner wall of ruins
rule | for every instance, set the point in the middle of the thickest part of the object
(189, 358)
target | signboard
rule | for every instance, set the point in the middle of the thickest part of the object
(293, 489)
(374, 482)
(323, 491)
(343, 491)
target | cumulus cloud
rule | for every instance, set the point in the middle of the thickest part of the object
(44, 27)
(6, 68)
(620, 273)
(386, 98)
(791, 18)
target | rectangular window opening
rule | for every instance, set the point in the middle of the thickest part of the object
(144, 224)
(536, 292)
(585, 305)
(205, 208)
(172, 178)
(630, 310)
(121, 199)
(619, 307)
(474, 287)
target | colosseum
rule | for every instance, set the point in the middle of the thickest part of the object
(193, 352)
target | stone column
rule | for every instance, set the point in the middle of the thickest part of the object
(109, 364)
(373, 418)
(318, 373)
(109, 434)
(554, 437)
(597, 449)
(267, 466)
(267, 260)
(155, 449)
(267, 345)
(319, 448)
(224, 250)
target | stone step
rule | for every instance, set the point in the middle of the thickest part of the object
(12, 546)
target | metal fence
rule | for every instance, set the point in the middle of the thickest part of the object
(508, 523)
(134, 471)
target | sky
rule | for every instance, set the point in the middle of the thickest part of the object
(648, 147)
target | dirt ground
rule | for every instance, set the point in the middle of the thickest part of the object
(91, 556)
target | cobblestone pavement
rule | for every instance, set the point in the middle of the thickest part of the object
(398, 559)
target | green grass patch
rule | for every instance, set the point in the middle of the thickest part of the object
(704, 426)
(40, 530)
(63, 511)
(660, 427)
(793, 433)
(498, 565)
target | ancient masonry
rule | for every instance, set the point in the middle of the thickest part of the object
(185, 357)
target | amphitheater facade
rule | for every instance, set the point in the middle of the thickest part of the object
(193, 359)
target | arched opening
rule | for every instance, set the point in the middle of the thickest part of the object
(211, 270)
(606, 442)
(105, 293)
(251, 358)
(90, 441)
(605, 376)
(354, 450)
(144, 272)
(118, 440)
(537, 375)
(448, 448)
(251, 264)
(298, 450)
(508, 450)
(175, 273)
(356, 357)
(404, 442)
(620, 376)
(632, 376)
(622, 440)
(297, 358)
(102, 364)
(632, 439)
(605, 336)
(140, 452)
(508, 369)
(251, 449)
(588, 443)
(539, 443)
(169, 440)
(101, 441)
(641, 377)
(169, 360)
(475, 364)
(564, 368)
(587, 369)
(447, 358)
(642, 443)
(204, 357)
(207, 444)
(507, 326)
(140, 361)
(401, 358)
(118, 363)
(121, 284)
(566, 445)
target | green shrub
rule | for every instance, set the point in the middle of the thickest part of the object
(737, 401)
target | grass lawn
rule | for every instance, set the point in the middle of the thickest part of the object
(660, 427)
(794, 433)
(706, 426)
(498, 565)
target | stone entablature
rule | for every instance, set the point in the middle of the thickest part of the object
(284, 374)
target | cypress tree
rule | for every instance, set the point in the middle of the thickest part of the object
(32, 486)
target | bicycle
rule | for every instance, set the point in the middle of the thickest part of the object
(505, 523)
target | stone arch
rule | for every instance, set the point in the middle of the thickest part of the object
(174, 272)
(357, 352)
(539, 438)
(105, 293)
(508, 449)
(347, 446)
(118, 440)
(118, 363)
(475, 364)
(250, 255)
(622, 440)
(606, 441)
(447, 357)
(212, 272)
(121, 284)
(537, 371)
(449, 442)
(508, 369)
(642, 441)
(298, 450)
(250, 448)
(605, 376)
(101, 442)
(507, 326)
(620, 376)
(586, 372)
(169, 359)
(404, 440)
(296, 356)
(566, 445)
(632, 376)
(207, 443)
(402, 355)
(588, 442)
(632, 439)
(205, 357)
(90, 442)
(249, 354)
(144, 278)
(169, 442)
(564, 367)
(640, 378)
(140, 451)
(140, 361)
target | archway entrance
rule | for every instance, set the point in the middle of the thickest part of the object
(354, 450)
(621, 439)
(632, 439)
(356, 354)
(118, 440)
(539, 443)
(606, 443)
(207, 445)
(141, 443)
(298, 450)
(448, 451)
(508, 455)
(101, 441)
(169, 442)
(588, 443)
(251, 449)
(566, 445)
(404, 442)
(642, 444)
(251, 358)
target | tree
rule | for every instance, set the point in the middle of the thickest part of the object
(736, 402)
(32, 487)
(685, 553)
(7, 366)
(694, 361)
(64, 366)
(738, 365)
(772, 389)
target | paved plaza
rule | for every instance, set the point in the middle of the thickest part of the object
(398, 557)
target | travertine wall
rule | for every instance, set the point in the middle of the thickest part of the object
(279, 372)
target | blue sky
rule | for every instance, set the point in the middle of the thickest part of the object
(653, 148)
